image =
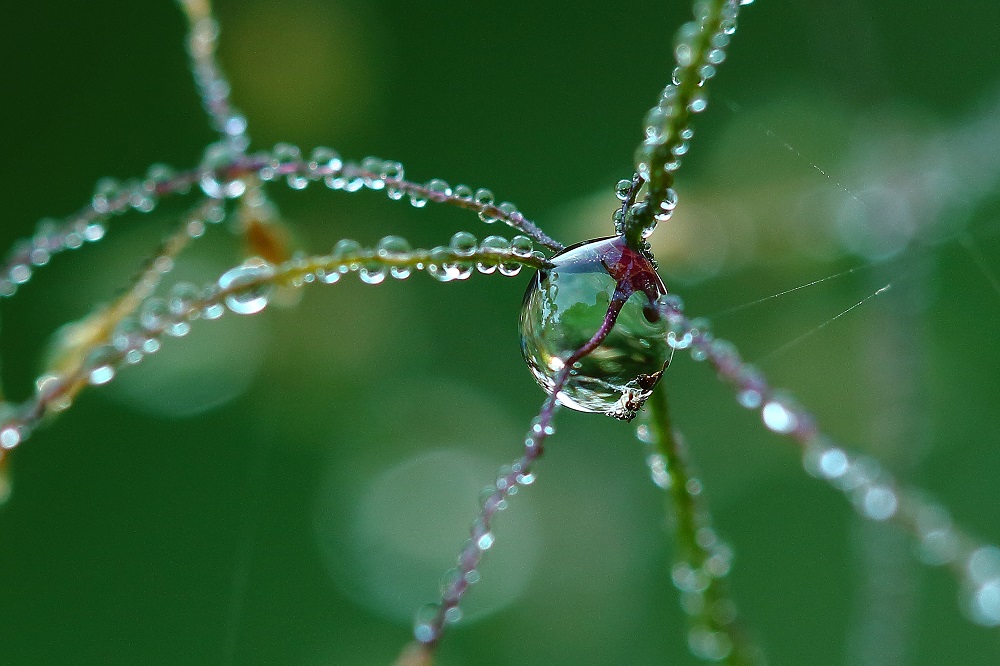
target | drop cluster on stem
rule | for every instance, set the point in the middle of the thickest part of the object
(873, 492)
(431, 619)
(699, 48)
(142, 321)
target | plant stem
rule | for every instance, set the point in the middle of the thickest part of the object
(702, 559)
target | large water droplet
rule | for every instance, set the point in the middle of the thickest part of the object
(253, 300)
(565, 306)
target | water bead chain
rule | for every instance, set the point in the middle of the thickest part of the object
(246, 290)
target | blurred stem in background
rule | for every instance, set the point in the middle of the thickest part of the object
(702, 559)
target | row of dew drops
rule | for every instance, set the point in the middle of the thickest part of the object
(665, 124)
(247, 289)
(870, 489)
(694, 582)
(140, 335)
(223, 174)
(326, 165)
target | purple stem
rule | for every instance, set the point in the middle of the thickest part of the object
(481, 539)
(19, 261)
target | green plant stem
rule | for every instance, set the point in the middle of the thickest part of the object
(702, 562)
(675, 113)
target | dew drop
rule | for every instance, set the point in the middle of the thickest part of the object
(154, 315)
(372, 273)
(417, 200)
(486, 541)
(395, 248)
(19, 273)
(324, 163)
(525, 479)
(328, 277)
(708, 644)
(441, 267)
(372, 176)
(492, 244)
(879, 503)
(182, 299)
(485, 199)
(778, 417)
(699, 102)
(983, 564)
(424, 625)
(521, 246)
(984, 604)
(439, 189)
(105, 193)
(287, 154)
(833, 463)
(215, 180)
(252, 300)
(10, 436)
(564, 307)
(212, 311)
(464, 244)
(101, 375)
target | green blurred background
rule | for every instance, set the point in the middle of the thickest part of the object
(286, 489)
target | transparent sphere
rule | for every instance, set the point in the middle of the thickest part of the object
(567, 304)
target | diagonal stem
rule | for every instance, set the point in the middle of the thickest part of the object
(431, 620)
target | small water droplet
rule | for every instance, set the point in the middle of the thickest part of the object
(395, 248)
(833, 463)
(879, 503)
(105, 193)
(182, 300)
(252, 272)
(439, 189)
(983, 564)
(372, 273)
(485, 198)
(288, 155)
(521, 246)
(154, 315)
(425, 628)
(708, 644)
(699, 102)
(492, 244)
(372, 176)
(622, 188)
(10, 437)
(324, 163)
(417, 200)
(778, 417)
(464, 244)
(984, 605)
(215, 180)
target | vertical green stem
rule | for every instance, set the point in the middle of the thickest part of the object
(702, 559)
(699, 48)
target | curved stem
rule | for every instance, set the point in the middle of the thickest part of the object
(101, 355)
(87, 225)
